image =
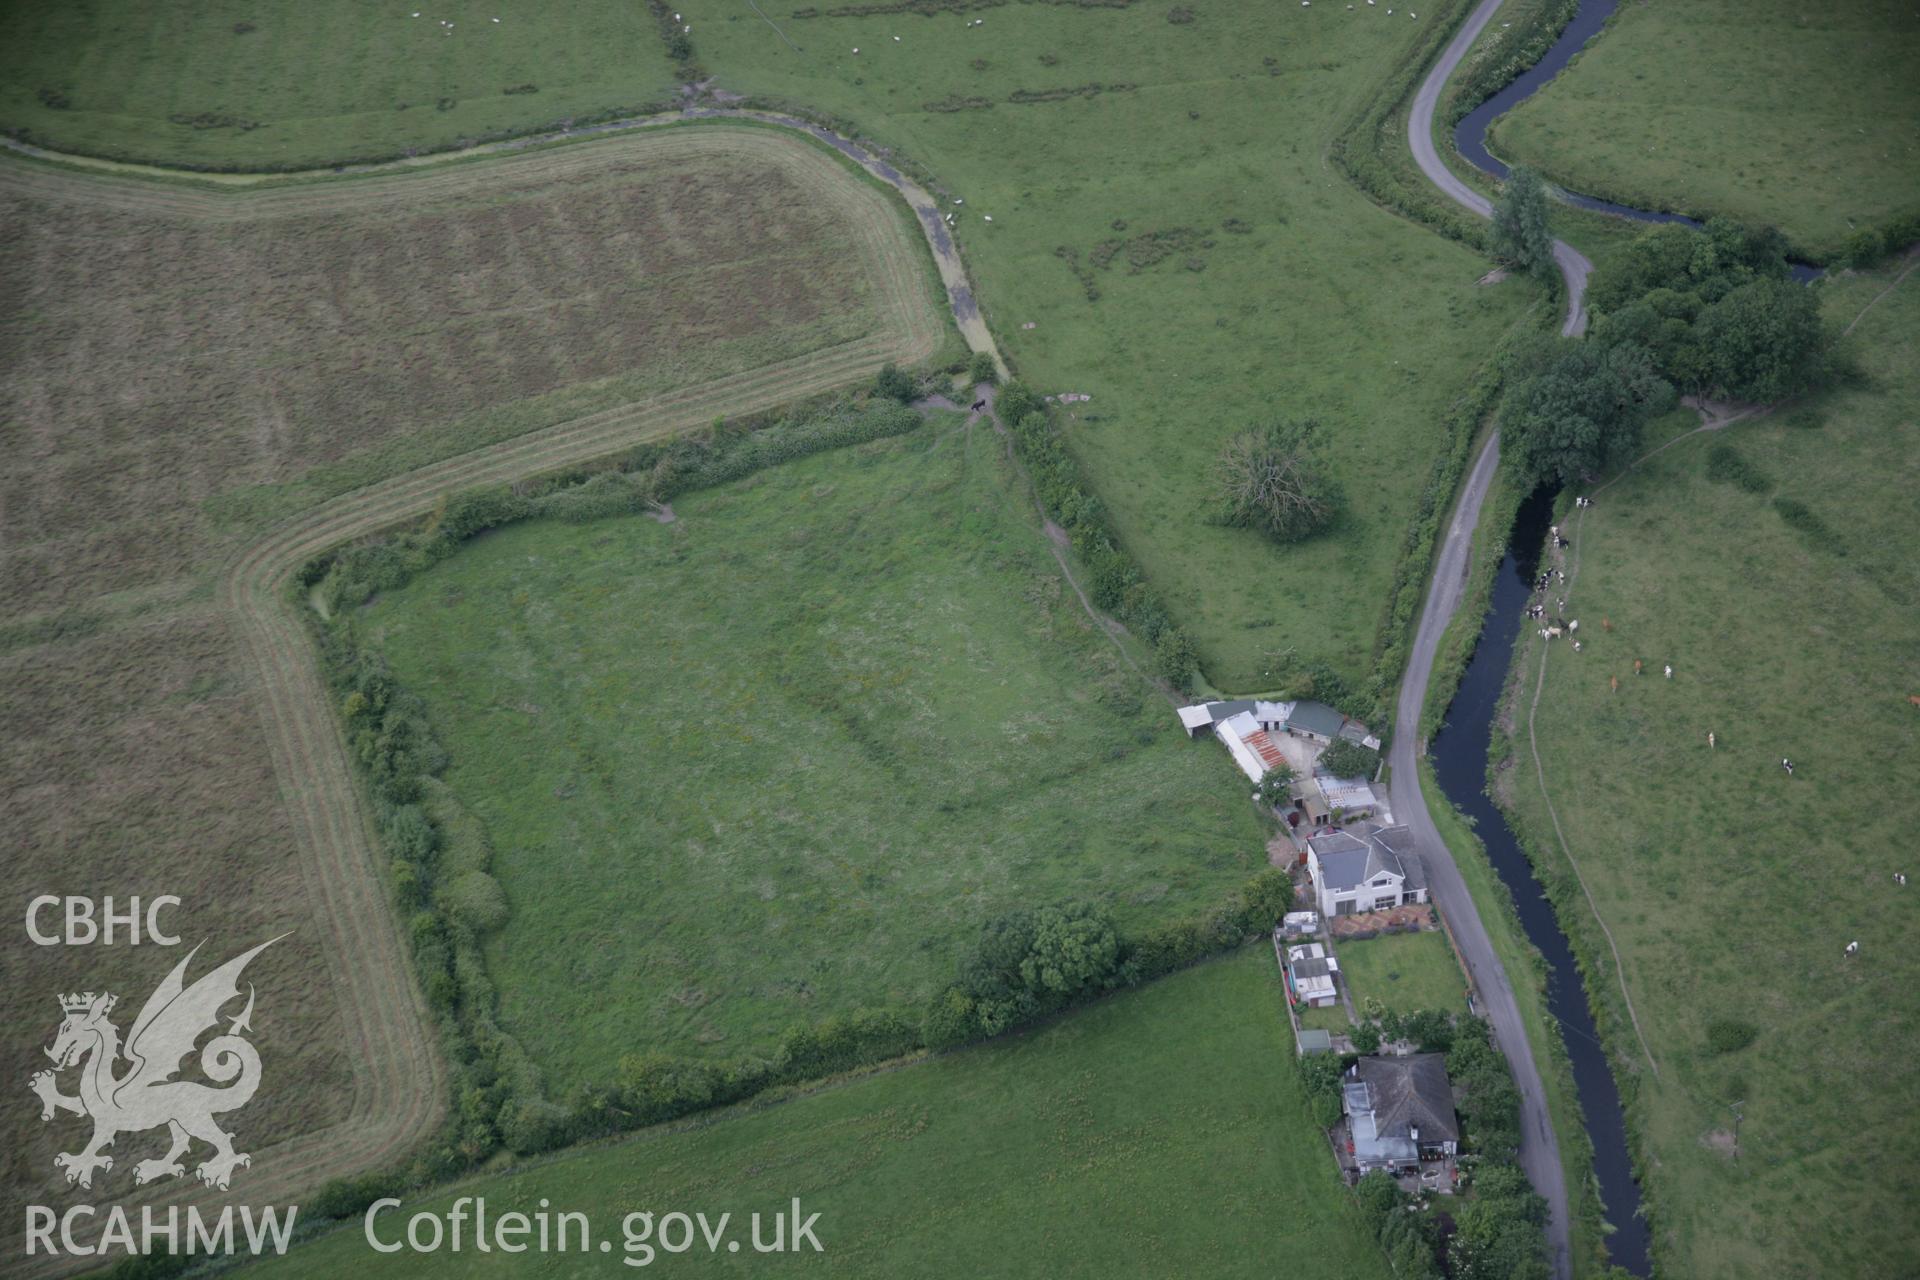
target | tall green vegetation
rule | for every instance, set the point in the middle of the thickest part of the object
(1345, 759)
(1716, 308)
(1711, 312)
(1520, 233)
(1580, 409)
(1274, 478)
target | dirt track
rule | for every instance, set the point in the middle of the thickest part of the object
(399, 1077)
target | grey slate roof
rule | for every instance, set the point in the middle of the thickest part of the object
(1410, 1093)
(1227, 710)
(1348, 861)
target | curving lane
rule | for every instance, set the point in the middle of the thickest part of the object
(1574, 267)
(1539, 1154)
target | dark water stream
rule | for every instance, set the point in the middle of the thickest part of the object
(1460, 761)
(1470, 135)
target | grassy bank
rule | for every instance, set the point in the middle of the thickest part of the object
(1160, 1130)
(1766, 564)
(1767, 110)
(1494, 904)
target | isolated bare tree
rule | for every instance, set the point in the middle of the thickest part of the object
(1271, 478)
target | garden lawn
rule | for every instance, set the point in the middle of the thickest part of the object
(1730, 887)
(1246, 279)
(1159, 1132)
(1405, 972)
(784, 756)
(1772, 111)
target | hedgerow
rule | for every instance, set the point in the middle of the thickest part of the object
(439, 858)
(1115, 581)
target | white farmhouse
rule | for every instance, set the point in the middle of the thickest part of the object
(1365, 868)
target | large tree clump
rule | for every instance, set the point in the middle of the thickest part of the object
(1582, 412)
(1716, 309)
(1274, 479)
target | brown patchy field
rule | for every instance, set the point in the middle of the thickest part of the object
(199, 389)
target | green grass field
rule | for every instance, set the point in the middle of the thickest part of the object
(1405, 972)
(1730, 887)
(1769, 110)
(1273, 288)
(188, 368)
(785, 755)
(1155, 1133)
(1179, 164)
(311, 85)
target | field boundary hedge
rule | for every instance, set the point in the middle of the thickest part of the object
(437, 857)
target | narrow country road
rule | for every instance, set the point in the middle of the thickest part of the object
(1539, 1149)
(1574, 267)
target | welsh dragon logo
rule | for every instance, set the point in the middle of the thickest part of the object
(145, 1095)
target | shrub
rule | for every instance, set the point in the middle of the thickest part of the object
(981, 369)
(1277, 787)
(1264, 899)
(1728, 465)
(476, 900)
(1174, 658)
(1344, 759)
(844, 1043)
(894, 383)
(1320, 1074)
(349, 1197)
(1803, 520)
(1730, 1035)
(1273, 478)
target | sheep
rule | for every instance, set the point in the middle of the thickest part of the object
(1853, 948)
(1553, 632)
(1576, 646)
(1900, 878)
(1711, 741)
(1669, 671)
(1574, 625)
(1543, 633)
(989, 217)
(1787, 765)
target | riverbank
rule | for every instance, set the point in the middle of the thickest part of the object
(1558, 1015)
